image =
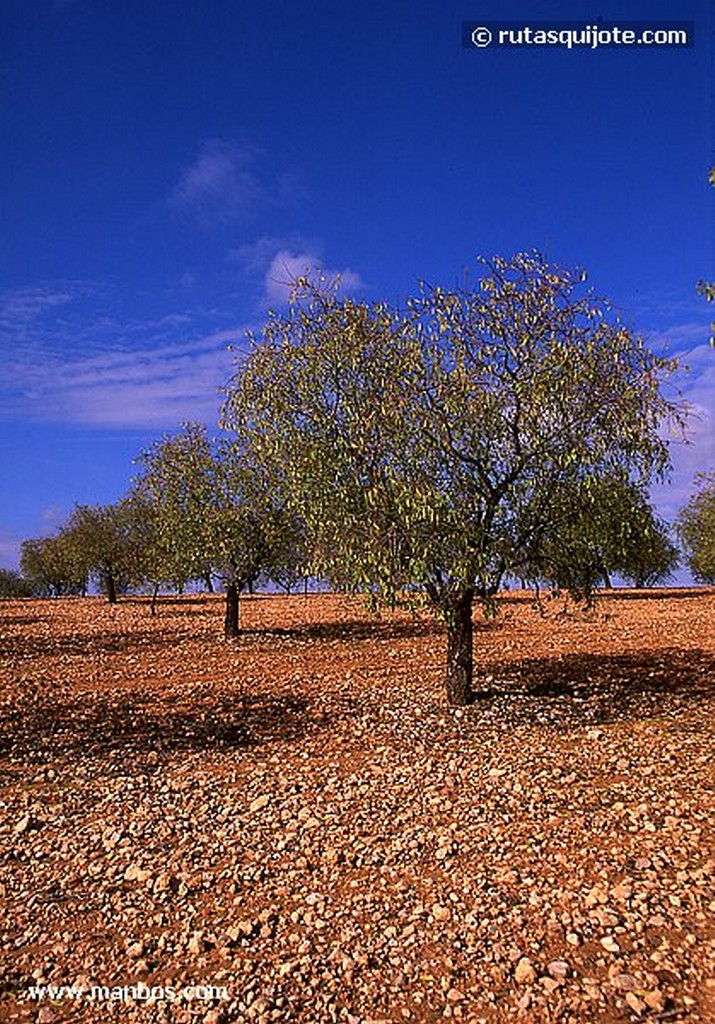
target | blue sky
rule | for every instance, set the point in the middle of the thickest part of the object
(167, 165)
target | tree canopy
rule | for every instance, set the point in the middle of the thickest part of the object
(696, 529)
(210, 514)
(602, 530)
(53, 566)
(104, 545)
(430, 449)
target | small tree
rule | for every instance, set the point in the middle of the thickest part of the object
(602, 528)
(14, 585)
(696, 529)
(52, 567)
(652, 557)
(101, 538)
(152, 559)
(211, 515)
(424, 449)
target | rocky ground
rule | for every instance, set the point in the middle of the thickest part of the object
(295, 826)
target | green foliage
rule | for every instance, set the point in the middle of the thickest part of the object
(428, 448)
(102, 540)
(600, 528)
(150, 560)
(52, 566)
(696, 529)
(209, 512)
(432, 450)
(176, 491)
(651, 557)
(13, 584)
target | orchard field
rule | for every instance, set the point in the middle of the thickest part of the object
(295, 826)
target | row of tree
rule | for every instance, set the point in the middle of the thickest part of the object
(194, 513)
(510, 428)
(118, 547)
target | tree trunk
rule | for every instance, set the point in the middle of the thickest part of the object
(154, 595)
(111, 588)
(460, 660)
(230, 626)
(209, 583)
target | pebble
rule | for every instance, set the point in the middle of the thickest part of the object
(393, 866)
(610, 944)
(524, 972)
(558, 969)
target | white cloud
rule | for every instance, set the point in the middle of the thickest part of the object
(697, 453)
(287, 266)
(680, 339)
(281, 260)
(284, 270)
(254, 257)
(134, 387)
(20, 307)
(52, 515)
(221, 186)
(84, 367)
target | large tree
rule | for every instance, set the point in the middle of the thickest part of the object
(696, 529)
(423, 448)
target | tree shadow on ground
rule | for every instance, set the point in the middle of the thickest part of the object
(27, 648)
(22, 620)
(104, 642)
(350, 630)
(655, 594)
(614, 686)
(172, 600)
(131, 727)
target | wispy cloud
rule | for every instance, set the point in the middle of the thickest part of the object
(680, 339)
(65, 362)
(255, 257)
(137, 386)
(52, 515)
(221, 186)
(20, 307)
(677, 324)
(9, 549)
(85, 367)
(696, 384)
